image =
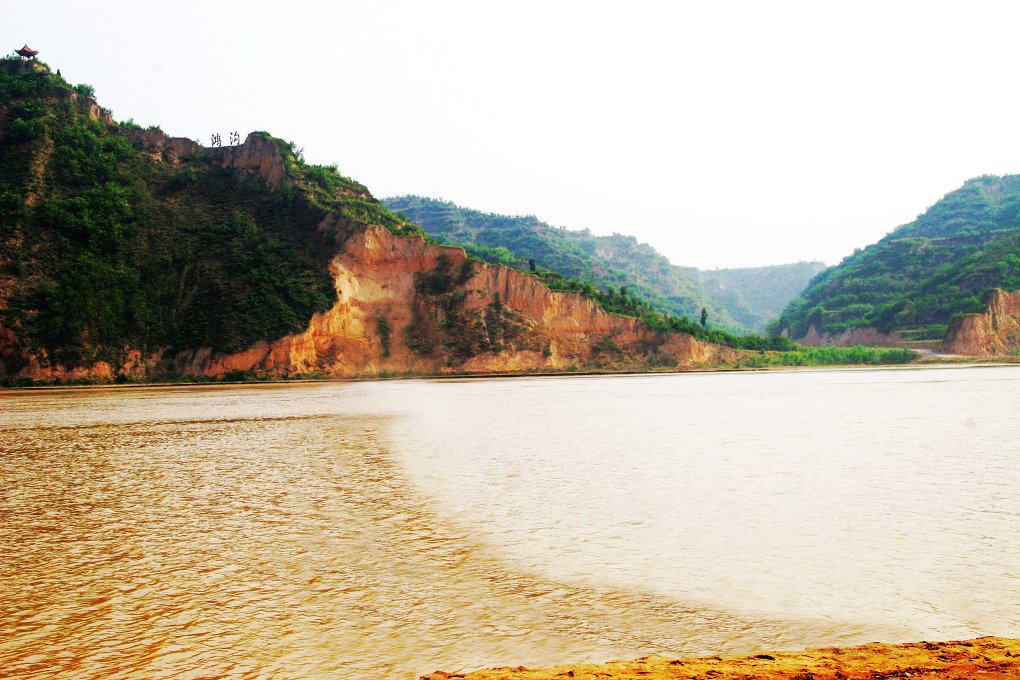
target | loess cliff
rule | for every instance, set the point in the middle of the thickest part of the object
(403, 305)
(126, 253)
(994, 332)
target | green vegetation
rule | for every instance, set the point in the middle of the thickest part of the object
(922, 274)
(738, 300)
(108, 249)
(384, 329)
(832, 356)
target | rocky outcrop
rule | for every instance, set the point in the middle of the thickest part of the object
(162, 147)
(869, 336)
(258, 155)
(994, 332)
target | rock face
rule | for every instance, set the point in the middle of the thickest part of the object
(995, 332)
(258, 154)
(381, 282)
(162, 147)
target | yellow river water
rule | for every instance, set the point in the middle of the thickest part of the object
(387, 529)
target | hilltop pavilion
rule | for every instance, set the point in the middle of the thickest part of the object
(26, 52)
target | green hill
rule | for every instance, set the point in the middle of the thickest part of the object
(106, 243)
(918, 277)
(739, 300)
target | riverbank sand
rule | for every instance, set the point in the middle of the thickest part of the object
(988, 658)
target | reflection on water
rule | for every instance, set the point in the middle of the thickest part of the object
(388, 529)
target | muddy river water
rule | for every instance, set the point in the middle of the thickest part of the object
(387, 529)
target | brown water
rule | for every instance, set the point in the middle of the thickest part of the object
(380, 530)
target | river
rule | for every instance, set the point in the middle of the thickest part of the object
(387, 529)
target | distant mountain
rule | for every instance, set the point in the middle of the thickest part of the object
(740, 300)
(912, 282)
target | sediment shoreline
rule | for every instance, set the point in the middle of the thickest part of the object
(991, 658)
(967, 362)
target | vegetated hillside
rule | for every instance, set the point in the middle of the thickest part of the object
(911, 283)
(754, 296)
(114, 238)
(736, 300)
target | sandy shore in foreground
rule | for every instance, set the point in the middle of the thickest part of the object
(988, 658)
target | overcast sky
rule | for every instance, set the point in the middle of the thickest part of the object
(723, 133)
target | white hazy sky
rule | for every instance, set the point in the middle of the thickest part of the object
(723, 133)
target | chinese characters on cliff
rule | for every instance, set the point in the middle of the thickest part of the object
(235, 139)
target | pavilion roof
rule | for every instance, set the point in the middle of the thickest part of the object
(27, 51)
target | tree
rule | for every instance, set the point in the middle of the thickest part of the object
(531, 264)
(384, 329)
(704, 317)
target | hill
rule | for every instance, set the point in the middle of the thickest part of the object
(742, 300)
(126, 253)
(116, 237)
(911, 284)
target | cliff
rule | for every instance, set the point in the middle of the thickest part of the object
(403, 305)
(996, 331)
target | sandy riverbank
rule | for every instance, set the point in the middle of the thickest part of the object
(988, 658)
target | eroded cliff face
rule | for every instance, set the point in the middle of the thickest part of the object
(995, 332)
(407, 306)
